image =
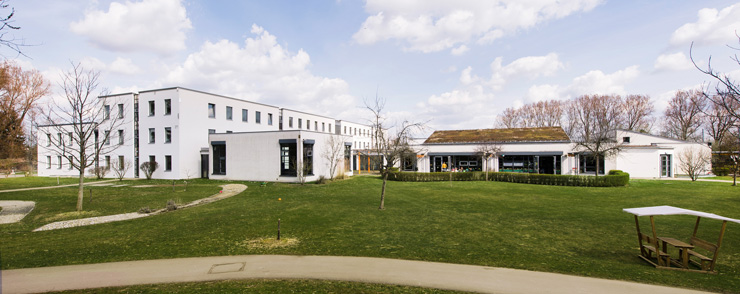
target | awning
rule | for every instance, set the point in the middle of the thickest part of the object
(539, 153)
(309, 141)
(285, 141)
(670, 210)
(452, 154)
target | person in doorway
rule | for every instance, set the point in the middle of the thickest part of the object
(444, 166)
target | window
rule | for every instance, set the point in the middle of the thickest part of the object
(329, 128)
(257, 117)
(95, 133)
(315, 126)
(69, 163)
(588, 163)
(120, 110)
(211, 131)
(106, 112)
(300, 123)
(219, 158)
(245, 115)
(228, 113)
(323, 127)
(307, 159)
(288, 155)
(107, 161)
(168, 163)
(107, 138)
(59, 139)
(48, 139)
(152, 159)
(151, 108)
(228, 132)
(211, 110)
(48, 162)
(269, 119)
(59, 162)
(167, 135)
(121, 163)
(308, 124)
(167, 106)
(626, 139)
(69, 136)
(345, 129)
(290, 122)
(152, 136)
(120, 137)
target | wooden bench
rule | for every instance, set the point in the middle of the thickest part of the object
(705, 263)
(647, 251)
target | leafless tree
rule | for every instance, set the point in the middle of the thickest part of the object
(149, 167)
(487, 150)
(391, 145)
(120, 168)
(683, 117)
(638, 110)
(597, 117)
(718, 122)
(509, 118)
(20, 92)
(6, 25)
(83, 120)
(333, 153)
(726, 90)
(694, 161)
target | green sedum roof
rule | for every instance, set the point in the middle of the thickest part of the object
(544, 134)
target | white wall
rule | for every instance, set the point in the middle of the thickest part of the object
(309, 122)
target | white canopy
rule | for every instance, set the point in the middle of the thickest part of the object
(670, 210)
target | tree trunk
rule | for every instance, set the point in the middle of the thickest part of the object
(597, 166)
(485, 160)
(80, 191)
(382, 191)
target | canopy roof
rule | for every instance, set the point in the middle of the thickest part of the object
(670, 210)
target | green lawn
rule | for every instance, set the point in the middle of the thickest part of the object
(29, 182)
(572, 230)
(265, 286)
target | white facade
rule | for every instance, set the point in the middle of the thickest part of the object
(649, 156)
(257, 156)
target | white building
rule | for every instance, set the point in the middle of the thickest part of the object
(172, 127)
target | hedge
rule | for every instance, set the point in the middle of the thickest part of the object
(615, 178)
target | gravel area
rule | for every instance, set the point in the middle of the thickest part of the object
(14, 211)
(227, 191)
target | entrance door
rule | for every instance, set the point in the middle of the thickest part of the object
(547, 164)
(665, 165)
(437, 164)
(204, 166)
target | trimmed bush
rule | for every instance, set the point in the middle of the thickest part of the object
(615, 178)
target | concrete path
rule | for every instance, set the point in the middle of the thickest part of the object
(54, 187)
(361, 269)
(14, 211)
(227, 191)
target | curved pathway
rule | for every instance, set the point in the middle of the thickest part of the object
(361, 269)
(227, 191)
(14, 211)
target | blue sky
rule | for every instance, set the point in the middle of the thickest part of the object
(456, 64)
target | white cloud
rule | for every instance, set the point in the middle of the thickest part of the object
(597, 82)
(148, 25)
(529, 66)
(543, 92)
(712, 27)
(673, 62)
(123, 66)
(430, 26)
(459, 50)
(262, 70)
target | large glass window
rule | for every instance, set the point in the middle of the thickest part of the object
(307, 159)
(229, 113)
(219, 158)
(588, 164)
(518, 163)
(665, 165)
(211, 110)
(288, 154)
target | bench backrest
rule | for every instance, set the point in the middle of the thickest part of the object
(704, 245)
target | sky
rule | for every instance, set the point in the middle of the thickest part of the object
(451, 64)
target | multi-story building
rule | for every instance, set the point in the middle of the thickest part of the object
(172, 127)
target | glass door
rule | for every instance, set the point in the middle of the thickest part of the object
(665, 165)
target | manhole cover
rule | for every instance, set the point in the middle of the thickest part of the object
(227, 268)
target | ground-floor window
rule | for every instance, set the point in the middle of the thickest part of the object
(369, 162)
(408, 161)
(168, 163)
(307, 159)
(587, 164)
(347, 155)
(518, 163)
(48, 162)
(288, 154)
(121, 163)
(219, 158)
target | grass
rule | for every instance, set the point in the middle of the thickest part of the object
(573, 230)
(29, 182)
(265, 286)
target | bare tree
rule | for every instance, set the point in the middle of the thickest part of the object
(726, 89)
(120, 168)
(20, 92)
(638, 110)
(510, 118)
(333, 153)
(718, 123)
(83, 119)
(683, 117)
(390, 146)
(486, 150)
(597, 119)
(694, 161)
(148, 167)
(6, 25)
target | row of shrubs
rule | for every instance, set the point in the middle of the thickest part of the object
(615, 178)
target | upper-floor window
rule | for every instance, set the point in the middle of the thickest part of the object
(59, 138)
(106, 112)
(300, 123)
(48, 139)
(151, 108)
(245, 115)
(69, 136)
(152, 135)
(323, 127)
(167, 135)
(626, 139)
(107, 138)
(257, 117)
(120, 137)
(315, 126)
(308, 124)
(269, 119)
(120, 110)
(290, 122)
(211, 131)
(167, 106)
(229, 113)
(211, 110)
